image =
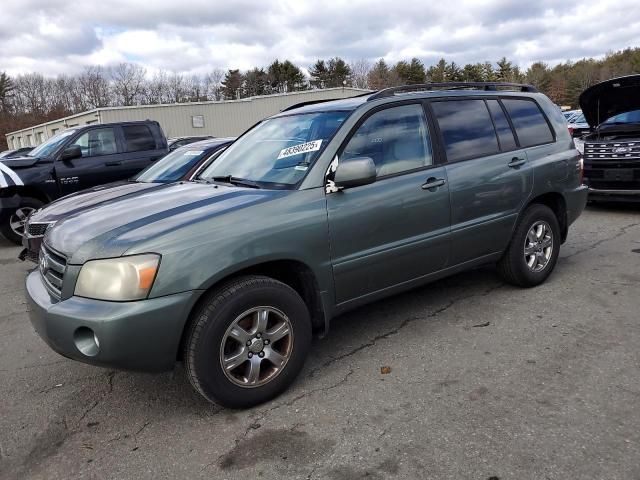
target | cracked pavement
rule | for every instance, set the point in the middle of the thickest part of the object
(549, 387)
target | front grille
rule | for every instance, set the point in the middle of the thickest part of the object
(37, 229)
(52, 268)
(618, 151)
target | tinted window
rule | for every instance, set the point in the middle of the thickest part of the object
(466, 128)
(138, 138)
(94, 143)
(527, 118)
(505, 134)
(396, 139)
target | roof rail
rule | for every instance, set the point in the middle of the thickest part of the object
(312, 102)
(304, 104)
(489, 86)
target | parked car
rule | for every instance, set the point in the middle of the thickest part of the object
(18, 152)
(178, 142)
(578, 125)
(612, 151)
(73, 160)
(314, 211)
(569, 114)
(182, 164)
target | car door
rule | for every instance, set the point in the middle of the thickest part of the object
(396, 229)
(139, 149)
(99, 147)
(488, 174)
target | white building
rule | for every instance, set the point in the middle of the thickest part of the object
(227, 118)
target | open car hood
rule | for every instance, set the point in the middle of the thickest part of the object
(606, 99)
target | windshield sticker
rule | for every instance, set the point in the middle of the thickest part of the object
(193, 152)
(298, 149)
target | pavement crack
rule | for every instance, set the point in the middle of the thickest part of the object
(400, 327)
(622, 231)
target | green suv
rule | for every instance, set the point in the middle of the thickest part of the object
(314, 211)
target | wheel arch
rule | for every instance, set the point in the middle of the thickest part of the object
(294, 273)
(557, 203)
(25, 191)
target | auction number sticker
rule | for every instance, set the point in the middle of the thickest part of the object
(298, 149)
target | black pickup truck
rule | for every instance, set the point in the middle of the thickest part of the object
(73, 160)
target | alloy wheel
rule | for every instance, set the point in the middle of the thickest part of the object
(538, 246)
(256, 347)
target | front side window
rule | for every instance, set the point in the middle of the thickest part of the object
(528, 120)
(138, 138)
(98, 142)
(467, 129)
(278, 152)
(396, 139)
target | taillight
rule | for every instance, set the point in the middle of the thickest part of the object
(581, 169)
(571, 131)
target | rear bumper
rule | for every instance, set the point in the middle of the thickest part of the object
(143, 335)
(576, 202)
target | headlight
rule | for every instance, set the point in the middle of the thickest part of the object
(118, 279)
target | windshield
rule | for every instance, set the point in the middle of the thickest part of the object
(278, 152)
(173, 166)
(578, 118)
(47, 148)
(626, 117)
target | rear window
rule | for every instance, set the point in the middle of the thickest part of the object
(138, 138)
(467, 129)
(503, 129)
(528, 120)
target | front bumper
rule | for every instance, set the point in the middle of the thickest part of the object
(143, 335)
(615, 195)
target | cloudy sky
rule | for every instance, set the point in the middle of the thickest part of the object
(195, 36)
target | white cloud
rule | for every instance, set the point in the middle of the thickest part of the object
(189, 36)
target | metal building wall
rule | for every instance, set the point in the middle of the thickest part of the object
(221, 119)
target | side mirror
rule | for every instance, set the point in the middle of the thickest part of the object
(69, 153)
(355, 172)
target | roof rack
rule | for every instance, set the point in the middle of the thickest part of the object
(488, 86)
(313, 102)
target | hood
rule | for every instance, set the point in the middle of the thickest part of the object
(606, 99)
(89, 199)
(20, 162)
(112, 228)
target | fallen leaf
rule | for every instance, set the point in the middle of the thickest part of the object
(385, 370)
(485, 324)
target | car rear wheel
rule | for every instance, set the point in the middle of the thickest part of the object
(248, 342)
(534, 248)
(13, 224)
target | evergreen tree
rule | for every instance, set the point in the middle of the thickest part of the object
(232, 85)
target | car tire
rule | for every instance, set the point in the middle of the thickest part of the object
(242, 326)
(533, 251)
(8, 226)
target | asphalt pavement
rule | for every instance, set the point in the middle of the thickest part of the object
(465, 378)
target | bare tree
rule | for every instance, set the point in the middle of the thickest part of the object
(157, 90)
(128, 82)
(94, 85)
(176, 88)
(212, 83)
(360, 73)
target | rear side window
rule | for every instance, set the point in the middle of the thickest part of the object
(138, 138)
(503, 129)
(467, 129)
(528, 120)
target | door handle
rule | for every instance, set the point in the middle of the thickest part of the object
(516, 162)
(113, 164)
(433, 183)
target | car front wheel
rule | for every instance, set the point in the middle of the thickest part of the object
(13, 223)
(248, 342)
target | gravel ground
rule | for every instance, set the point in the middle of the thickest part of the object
(485, 380)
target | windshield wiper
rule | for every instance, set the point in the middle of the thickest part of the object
(243, 182)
